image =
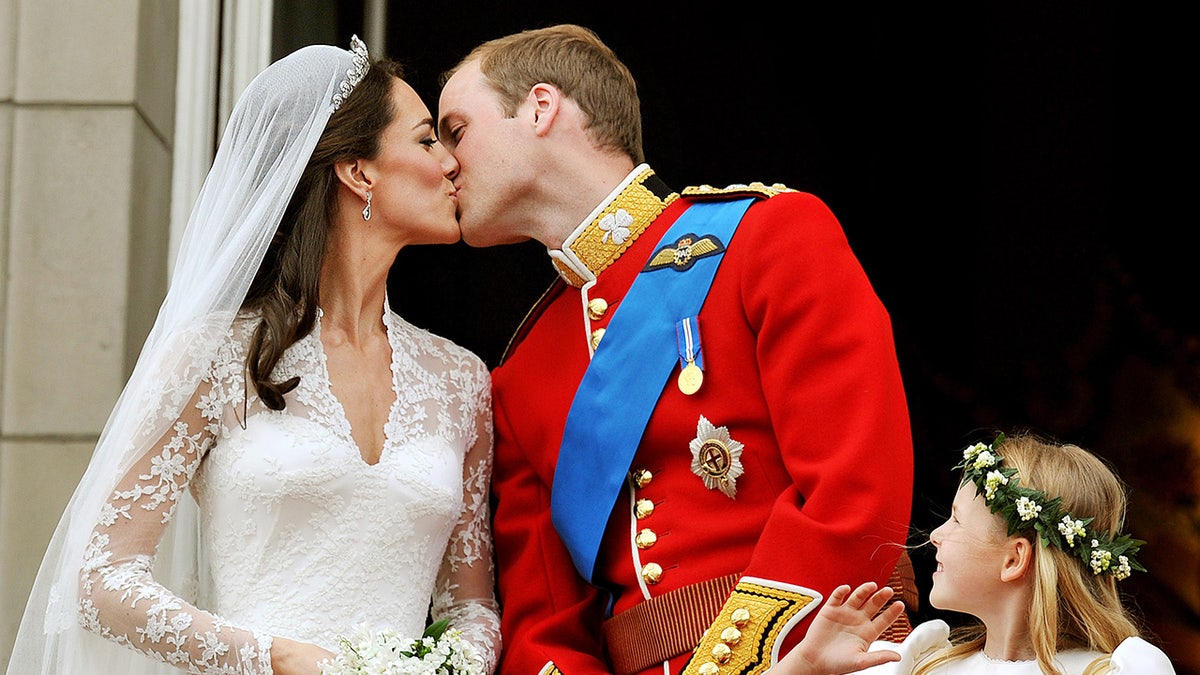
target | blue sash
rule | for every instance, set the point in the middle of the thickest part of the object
(625, 379)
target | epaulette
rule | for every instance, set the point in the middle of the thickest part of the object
(755, 189)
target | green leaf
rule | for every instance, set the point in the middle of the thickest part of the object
(435, 629)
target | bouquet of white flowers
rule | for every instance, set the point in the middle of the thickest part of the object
(439, 651)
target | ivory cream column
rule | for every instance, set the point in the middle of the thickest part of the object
(87, 104)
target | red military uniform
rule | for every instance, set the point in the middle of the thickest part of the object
(800, 375)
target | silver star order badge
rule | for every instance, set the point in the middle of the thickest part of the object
(716, 458)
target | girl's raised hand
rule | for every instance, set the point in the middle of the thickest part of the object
(842, 632)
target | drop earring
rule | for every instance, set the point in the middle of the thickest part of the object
(367, 209)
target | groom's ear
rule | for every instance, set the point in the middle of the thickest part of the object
(544, 99)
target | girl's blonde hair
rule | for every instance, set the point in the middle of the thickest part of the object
(1071, 606)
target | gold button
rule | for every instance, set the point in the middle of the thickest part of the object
(642, 477)
(643, 508)
(596, 337)
(731, 636)
(740, 617)
(652, 573)
(645, 538)
(708, 668)
(596, 308)
(722, 653)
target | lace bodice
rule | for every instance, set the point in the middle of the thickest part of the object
(301, 537)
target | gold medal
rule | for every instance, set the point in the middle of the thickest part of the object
(690, 378)
(691, 374)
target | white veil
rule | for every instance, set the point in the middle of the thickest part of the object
(266, 145)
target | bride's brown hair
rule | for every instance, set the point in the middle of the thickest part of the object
(286, 287)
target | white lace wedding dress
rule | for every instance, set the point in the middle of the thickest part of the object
(300, 536)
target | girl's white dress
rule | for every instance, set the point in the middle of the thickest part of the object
(300, 536)
(1134, 656)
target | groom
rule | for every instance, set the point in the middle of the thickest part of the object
(701, 428)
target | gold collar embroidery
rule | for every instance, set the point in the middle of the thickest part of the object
(613, 227)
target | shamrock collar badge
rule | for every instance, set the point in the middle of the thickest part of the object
(616, 226)
(716, 458)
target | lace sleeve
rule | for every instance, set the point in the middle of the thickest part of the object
(465, 591)
(119, 597)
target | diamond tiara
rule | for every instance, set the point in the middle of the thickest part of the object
(360, 62)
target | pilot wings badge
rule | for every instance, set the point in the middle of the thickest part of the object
(686, 250)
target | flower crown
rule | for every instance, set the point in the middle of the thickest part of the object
(1023, 508)
(360, 62)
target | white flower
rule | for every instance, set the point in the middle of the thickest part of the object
(969, 453)
(1101, 559)
(1027, 508)
(1123, 568)
(441, 651)
(994, 480)
(984, 459)
(1071, 529)
(166, 465)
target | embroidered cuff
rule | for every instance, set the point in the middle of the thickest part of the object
(743, 639)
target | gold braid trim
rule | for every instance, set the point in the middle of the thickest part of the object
(755, 189)
(569, 275)
(550, 669)
(597, 247)
(742, 637)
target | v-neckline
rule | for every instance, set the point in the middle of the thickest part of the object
(345, 427)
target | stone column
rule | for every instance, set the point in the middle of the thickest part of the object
(87, 98)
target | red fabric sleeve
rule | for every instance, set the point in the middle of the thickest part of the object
(832, 385)
(548, 613)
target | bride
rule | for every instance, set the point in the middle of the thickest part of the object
(290, 459)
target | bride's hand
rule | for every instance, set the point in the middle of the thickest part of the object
(291, 657)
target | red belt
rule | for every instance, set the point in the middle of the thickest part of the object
(664, 626)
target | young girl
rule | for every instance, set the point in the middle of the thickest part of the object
(1033, 549)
